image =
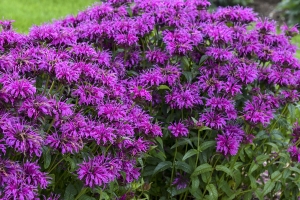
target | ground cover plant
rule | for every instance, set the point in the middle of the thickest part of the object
(150, 99)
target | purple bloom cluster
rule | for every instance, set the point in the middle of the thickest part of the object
(96, 80)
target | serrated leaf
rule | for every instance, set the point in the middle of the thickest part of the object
(183, 166)
(190, 153)
(206, 145)
(162, 166)
(202, 169)
(213, 192)
(268, 187)
(70, 192)
(225, 169)
(163, 87)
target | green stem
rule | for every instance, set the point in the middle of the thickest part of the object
(173, 168)
(82, 192)
(52, 86)
(55, 165)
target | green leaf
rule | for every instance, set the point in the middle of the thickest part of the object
(86, 197)
(180, 143)
(203, 59)
(195, 182)
(174, 191)
(71, 162)
(276, 176)
(202, 169)
(159, 140)
(225, 169)
(70, 192)
(188, 75)
(190, 153)
(203, 128)
(206, 145)
(206, 177)
(237, 177)
(268, 187)
(162, 166)
(273, 145)
(213, 192)
(47, 157)
(261, 158)
(225, 188)
(163, 87)
(253, 182)
(253, 167)
(196, 193)
(183, 166)
(295, 169)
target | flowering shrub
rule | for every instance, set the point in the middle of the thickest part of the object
(147, 99)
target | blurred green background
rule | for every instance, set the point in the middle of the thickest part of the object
(29, 12)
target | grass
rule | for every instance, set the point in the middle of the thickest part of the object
(29, 12)
(296, 40)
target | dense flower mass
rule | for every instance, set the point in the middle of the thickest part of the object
(84, 97)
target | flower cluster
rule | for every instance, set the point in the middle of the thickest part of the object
(97, 87)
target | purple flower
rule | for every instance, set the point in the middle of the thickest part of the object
(178, 130)
(67, 71)
(219, 54)
(294, 153)
(64, 143)
(23, 138)
(213, 119)
(227, 144)
(18, 189)
(156, 56)
(35, 107)
(185, 97)
(89, 94)
(98, 171)
(180, 181)
(34, 176)
(22, 88)
(258, 112)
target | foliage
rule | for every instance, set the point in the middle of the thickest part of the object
(150, 99)
(290, 10)
(231, 2)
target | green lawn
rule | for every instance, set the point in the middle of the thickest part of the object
(296, 40)
(29, 12)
